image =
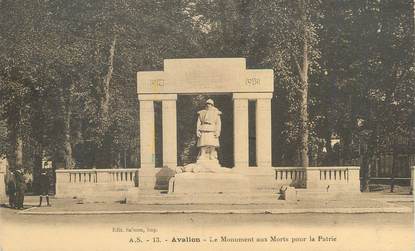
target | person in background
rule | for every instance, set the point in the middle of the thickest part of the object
(11, 189)
(20, 188)
(44, 183)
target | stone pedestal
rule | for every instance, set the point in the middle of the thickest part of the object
(262, 179)
(209, 183)
(208, 163)
(147, 178)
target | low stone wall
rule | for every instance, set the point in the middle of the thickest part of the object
(3, 196)
(84, 183)
(273, 178)
(92, 183)
(337, 178)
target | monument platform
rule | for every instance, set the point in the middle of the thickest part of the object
(202, 183)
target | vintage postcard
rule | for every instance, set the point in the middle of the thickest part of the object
(207, 125)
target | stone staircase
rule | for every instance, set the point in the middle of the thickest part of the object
(135, 196)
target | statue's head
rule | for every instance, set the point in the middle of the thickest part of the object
(209, 103)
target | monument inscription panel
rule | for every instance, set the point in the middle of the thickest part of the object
(206, 75)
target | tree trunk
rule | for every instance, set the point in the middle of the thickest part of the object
(67, 145)
(69, 163)
(371, 146)
(15, 127)
(19, 150)
(103, 155)
(106, 84)
(394, 168)
(366, 166)
(303, 74)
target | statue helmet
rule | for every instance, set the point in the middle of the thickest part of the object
(210, 101)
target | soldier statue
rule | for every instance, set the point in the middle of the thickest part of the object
(208, 133)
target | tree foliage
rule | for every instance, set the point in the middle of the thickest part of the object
(68, 87)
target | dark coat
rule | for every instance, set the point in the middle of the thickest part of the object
(44, 183)
(20, 183)
(11, 184)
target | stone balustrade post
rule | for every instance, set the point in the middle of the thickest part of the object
(313, 178)
(62, 179)
(354, 178)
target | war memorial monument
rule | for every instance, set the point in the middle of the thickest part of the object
(206, 176)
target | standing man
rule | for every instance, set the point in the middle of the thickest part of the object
(11, 189)
(44, 183)
(20, 188)
(208, 132)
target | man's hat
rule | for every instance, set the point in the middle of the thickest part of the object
(209, 101)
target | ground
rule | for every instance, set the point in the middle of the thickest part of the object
(214, 231)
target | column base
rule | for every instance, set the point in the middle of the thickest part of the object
(155, 178)
(264, 164)
(147, 178)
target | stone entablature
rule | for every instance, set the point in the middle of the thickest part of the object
(205, 75)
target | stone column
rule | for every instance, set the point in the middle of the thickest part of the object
(147, 134)
(240, 128)
(169, 131)
(263, 130)
(147, 143)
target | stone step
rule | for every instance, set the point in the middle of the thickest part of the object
(141, 197)
(317, 194)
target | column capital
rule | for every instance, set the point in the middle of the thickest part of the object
(252, 95)
(157, 97)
